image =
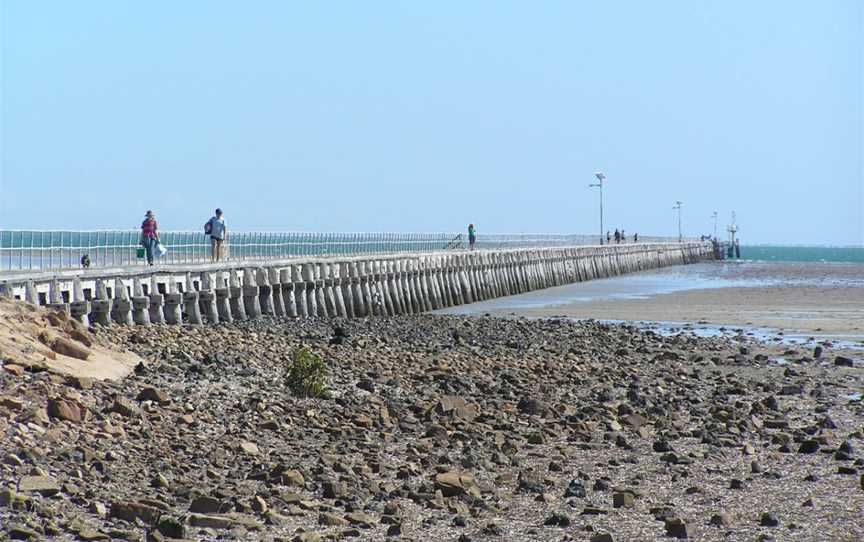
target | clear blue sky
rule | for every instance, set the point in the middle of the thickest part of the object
(423, 116)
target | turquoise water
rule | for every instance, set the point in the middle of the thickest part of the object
(802, 254)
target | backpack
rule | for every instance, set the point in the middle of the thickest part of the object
(208, 227)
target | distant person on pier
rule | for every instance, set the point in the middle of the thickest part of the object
(617, 236)
(608, 237)
(635, 237)
(472, 236)
(623, 237)
(85, 261)
(149, 235)
(737, 250)
(218, 232)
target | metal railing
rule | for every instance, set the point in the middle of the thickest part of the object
(46, 250)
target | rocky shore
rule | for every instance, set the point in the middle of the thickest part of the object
(436, 427)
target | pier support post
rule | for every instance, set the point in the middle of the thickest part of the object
(277, 286)
(289, 296)
(157, 302)
(238, 310)
(339, 299)
(191, 302)
(79, 309)
(265, 292)
(345, 284)
(55, 298)
(251, 302)
(140, 304)
(320, 298)
(101, 306)
(207, 299)
(329, 294)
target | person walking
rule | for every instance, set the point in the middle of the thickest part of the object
(218, 232)
(472, 236)
(635, 237)
(149, 235)
(617, 236)
(608, 237)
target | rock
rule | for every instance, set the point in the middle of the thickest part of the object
(224, 521)
(11, 403)
(208, 505)
(602, 537)
(43, 485)
(124, 407)
(331, 520)
(334, 489)
(19, 532)
(130, 511)
(90, 534)
(65, 409)
(662, 445)
(454, 483)
(152, 394)
(721, 519)
(456, 406)
(676, 528)
(530, 482)
(634, 420)
(575, 489)
(808, 447)
(769, 519)
(160, 481)
(291, 477)
(394, 530)
(250, 448)
(65, 347)
(557, 520)
(532, 406)
(623, 499)
(594, 511)
(360, 519)
(843, 361)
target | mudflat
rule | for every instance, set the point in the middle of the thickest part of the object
(805, 297)
(836, 310)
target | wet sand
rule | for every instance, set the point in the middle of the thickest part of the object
(822, 299)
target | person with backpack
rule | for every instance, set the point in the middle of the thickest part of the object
(149, 235)
(218, 232)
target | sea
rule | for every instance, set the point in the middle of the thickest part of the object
(776, 253)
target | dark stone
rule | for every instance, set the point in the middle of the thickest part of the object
(557, 520)
(843, 361)
(575, 489)
(808, 447)
(676, 528)
(769, 519)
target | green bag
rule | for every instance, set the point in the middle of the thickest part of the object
(140, 252)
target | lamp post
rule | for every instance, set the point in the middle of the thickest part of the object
(714, 216)
(678, 207)
(599, 184)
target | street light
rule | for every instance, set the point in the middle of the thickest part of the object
(678, 207)
(714, 216)
(600, 178)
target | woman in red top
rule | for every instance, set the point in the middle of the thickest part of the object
(149, 235)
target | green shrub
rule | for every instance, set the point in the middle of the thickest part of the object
(306, 374)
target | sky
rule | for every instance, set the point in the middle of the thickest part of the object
(424, 116)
